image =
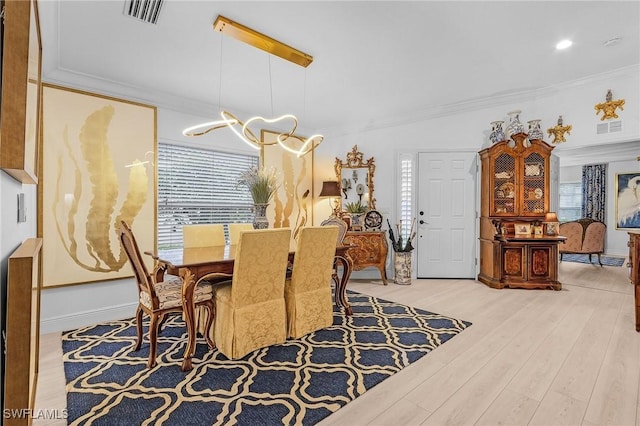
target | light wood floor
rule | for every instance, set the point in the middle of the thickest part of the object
(531, 357)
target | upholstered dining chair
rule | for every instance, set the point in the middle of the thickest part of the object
(158, 299)
(342, 231)
(250, 313)
(235, 229)
(308, 292)
(203, 235)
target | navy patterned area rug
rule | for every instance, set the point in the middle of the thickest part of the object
(299, 382)
(584, 258)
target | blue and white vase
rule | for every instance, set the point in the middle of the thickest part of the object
(497, 132)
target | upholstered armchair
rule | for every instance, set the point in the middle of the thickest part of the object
(308, 292)
(158, 299)
(250, 313)
(235, 229)
(203, 235)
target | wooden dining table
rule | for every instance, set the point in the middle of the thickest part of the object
(195, 263)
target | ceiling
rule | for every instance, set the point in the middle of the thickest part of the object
(375, 63)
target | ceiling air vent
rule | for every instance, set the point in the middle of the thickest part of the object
(143, 10)
(612, 127)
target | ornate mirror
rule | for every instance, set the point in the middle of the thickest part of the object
(355, 179)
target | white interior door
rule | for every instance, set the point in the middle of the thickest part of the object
(446, 215)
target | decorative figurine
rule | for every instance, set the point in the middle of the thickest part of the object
(558, 131)
(497, 134)
(609, 107)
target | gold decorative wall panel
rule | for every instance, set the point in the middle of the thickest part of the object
(292, 205)
(99, 168)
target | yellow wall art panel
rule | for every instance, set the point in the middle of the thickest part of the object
(292, 205)
(99, 156)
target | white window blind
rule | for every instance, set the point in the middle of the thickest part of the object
(406, 194)
(570, 201)
(199, 186)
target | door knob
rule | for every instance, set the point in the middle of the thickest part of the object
(422, 222)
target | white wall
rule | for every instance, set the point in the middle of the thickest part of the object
(457, 128)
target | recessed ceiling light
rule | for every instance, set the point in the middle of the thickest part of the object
(612, 41)
(564, 44)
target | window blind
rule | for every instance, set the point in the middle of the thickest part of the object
(406, 194)
(198, 185)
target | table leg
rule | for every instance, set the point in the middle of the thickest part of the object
(188, 306)
(341, 289)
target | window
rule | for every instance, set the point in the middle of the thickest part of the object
(406, 194)
(570, 201)
(199, 186)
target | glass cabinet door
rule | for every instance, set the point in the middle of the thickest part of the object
(533, 184)
(504, 188)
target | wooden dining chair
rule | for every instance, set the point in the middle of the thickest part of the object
(158, 299)
(342, 231)
(250, 313)
(308, 293)
(235, 229)
(203, 235)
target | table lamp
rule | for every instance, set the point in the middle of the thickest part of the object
(330, 189)
(551, 223)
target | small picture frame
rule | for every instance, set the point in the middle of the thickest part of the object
(552, 228)
(522, 228)
(537, 230)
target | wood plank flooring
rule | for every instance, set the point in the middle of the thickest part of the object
(531, 357)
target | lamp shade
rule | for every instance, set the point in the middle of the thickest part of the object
(330, 189)
(550, 217)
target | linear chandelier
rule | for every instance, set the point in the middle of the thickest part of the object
(288, 140)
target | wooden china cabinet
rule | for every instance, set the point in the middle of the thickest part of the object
(515, 191)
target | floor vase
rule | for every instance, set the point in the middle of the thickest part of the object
(260, 220)
(402, 267)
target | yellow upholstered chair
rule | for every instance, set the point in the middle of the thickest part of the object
(250, 313)
(157, 299)
(203, 235)
(235, 229)
(308, 292)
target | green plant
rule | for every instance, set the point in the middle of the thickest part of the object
(355, 207)
(261, 183)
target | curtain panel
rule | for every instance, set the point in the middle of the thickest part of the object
(594, 191)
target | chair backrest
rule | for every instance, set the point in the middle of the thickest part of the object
(594, 237)
(313, 262)
(130, 246)
(573, 231)
(203, 235)
(341, 224)
(260, 266)
(235, 229)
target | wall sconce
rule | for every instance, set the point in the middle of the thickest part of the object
(330, 189)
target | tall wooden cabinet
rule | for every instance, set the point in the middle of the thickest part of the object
(515, 190)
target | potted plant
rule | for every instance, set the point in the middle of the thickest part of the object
(356, 210)
(262, 185)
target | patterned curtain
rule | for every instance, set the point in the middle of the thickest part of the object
(594, 191)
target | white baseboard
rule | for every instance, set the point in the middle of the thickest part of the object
(81, 319)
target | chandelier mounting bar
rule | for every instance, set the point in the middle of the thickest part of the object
(254, 38)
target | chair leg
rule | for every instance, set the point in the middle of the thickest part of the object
(589, 257)
(561, 256)
(211, 309)
(139, 314)
(153, 338)
(599, 261)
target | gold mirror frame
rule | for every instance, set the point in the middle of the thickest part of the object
(353, 163)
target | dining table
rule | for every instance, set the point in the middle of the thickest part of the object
(215, 263)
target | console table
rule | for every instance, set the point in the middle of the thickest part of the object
(370, 248)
